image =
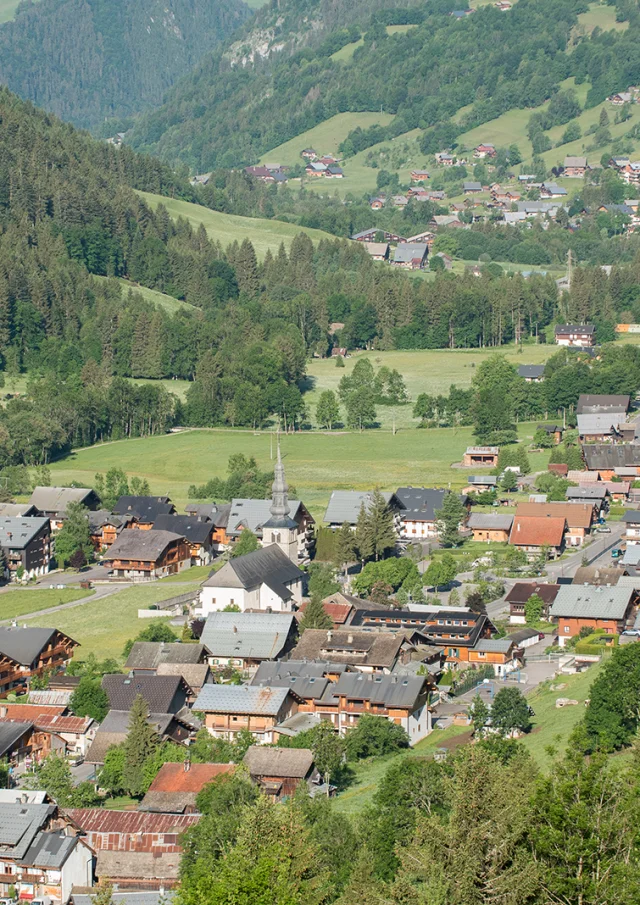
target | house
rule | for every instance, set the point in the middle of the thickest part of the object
(481, 483)
(481, 455)
(376, 204)
(444, 159)
(596, 404)
(52, 502)
(134, 849)
(105, 527)
(147, 555)
(520, 593)
(503, 654)
(484, 150)
(345, 505)
(310, 679)
(578, 335)
(609, 610)
(379, 251)
(575, 167)
(334, 172)
(254, 515)
(552, 190)
(364, 651)
(411, 255)
(229, 709)
(309, 154)
(29, 652)
(632, 527)
(146, 509)
(596, 494)
(631, 173)
(218, 514)
(532, 373)
(315, 169)
(599, 575)
(26, 545)
(578, 516)
(114, 729)
(194, 676)
(491, 527)
(18, 509)
(471, 188)
(163, 694)
(535, 535)
(419, 175)
(623, 97)
(367, 235)
(40, 858)
(52, 729)
(263, 580)
(244, 640)
(147, 656)
(264, 174)
(448, 261)
(606, 458)
(17, 742)
(419, 508)
(197, 531)
(176, 787)
(279, 771)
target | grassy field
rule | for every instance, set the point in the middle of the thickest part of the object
(103, 626)
(179, 387)
(600, 16)
(399, 29)
(325, 137)
(152, 295)
(345, 54)
(14, 603)
(225, 228)
(8, 10)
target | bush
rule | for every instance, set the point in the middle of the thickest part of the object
(375, 736)
(595, 643)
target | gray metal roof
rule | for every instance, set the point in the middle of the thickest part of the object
(24, 645)
(487, 479)
(388, 691)
(147, 546)
(151, 897)
(293, 763)
(631, 516)
(604, 455)
(17, 531)
(196, 530)
(149, 654)
(410, 251)
(523, 635)
(489, 522)
(10, 733)
(50, 850)
(268, 566)
(582, 601)
(631, 556)
(594, 403)
(252, 514)
(19, 824)
(345, 505)
(260, 636)
(114, 728)
(586, 492)
(264, 700)
(18, 509)
(599, 423)
(494, 645)
(419, 504)
(56, 499)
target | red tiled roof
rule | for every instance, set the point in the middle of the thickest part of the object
(577, 515)
(338, 612)
(174, 777)
(536, 532)
(99, 820)
(29, 713)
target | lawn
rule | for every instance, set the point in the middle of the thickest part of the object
(179, 387)
(195, 573)
(226, 228)
(152, 295)
(8, 10)
(14, 603)
(325, 138)
(103, 626)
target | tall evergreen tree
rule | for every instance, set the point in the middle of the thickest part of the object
(364, 537)
(381, 526)
(246, 265)
(344, 546)
(141, 742)
(448, 519)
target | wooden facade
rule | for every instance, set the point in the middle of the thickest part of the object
(55, 656)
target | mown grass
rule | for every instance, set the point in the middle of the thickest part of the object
(19, 602)
(345, 54)
(225, 228)
(103, 626)
(195, 573)
(601, 16)
(160, 299)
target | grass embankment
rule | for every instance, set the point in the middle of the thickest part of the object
(14, 603)
(159, 299)
(103, 626)
(225, 228)
(551, 728)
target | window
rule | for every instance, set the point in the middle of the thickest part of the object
(232, 601)
(566, 628)
(481, 653)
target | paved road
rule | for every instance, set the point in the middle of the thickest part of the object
(598, 551)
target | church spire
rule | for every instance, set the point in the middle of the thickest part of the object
(279, 491)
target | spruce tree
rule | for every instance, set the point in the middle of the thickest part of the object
(141, 742)
(381, 527)
(344, 546)
(364, 539)
(247, 269)
(315, 615)
(448, 519)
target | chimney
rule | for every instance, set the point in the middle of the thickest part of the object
(329, 635)
(349, 638)
(235, 629)
(187, 765)
(3, 712)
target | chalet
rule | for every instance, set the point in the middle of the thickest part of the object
(279, 771)
(52, 502)
(578, 516)
(147, 555)
(376, 204)
(447, 221)
(134, 849)
(255, 514)
(481, 455)
(26, 545)
(609, 610)
(532, 373)
(367, 235)
(623, 97)
(52, 729)
(147, 656)
(260, 172)
(447, 261)
(41, 857)
(114, 729)
(379, 251)
(105, 527)
(193, 675)
(197, 531)
(364, 651)
(575, 167)
(176, 787)
(229, 709)
(599, 575)
(309, 154)
(17, 745)
(606, 458)
(513, 218)
(444, 159)
(419, 508)
(618, 163)
(599, 417)
(485, 150)
(580, 335)
(480, 483)
(218, 514)
(263, 580)
(490, 528)
(552, 190)
(535, 535)
(596, 494)
(311, 680)
(244, 640)
(554, 430)
(631, 173)
(345, 505)
(631, 520)
(503, 654)
(471, 188)
(596, 403)
(316, 169)
(520, 593)
(146, 509)
(422, 237)
(163, 694)
(24, 510)
(334, 172)
(419, 175)
(411, 256)
(29, 652)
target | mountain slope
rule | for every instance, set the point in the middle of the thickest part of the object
(279, 81)
(87, 60)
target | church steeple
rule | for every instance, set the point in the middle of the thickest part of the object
(280, 528)
(279, 492)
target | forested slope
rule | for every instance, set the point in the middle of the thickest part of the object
(87, 60)
(238, 104)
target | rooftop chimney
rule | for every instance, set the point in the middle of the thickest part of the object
(349, 638)
(329, 635)
(187, 765)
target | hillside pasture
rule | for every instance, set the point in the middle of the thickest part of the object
(345, 54)
(225, 228)
(159, 299)
(599, 15)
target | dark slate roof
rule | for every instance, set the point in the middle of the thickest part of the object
(24, 645)
(10, 733)
(49, 850)
(17, 532)
(103, 517)
(358, 648)
(574, 328)
(522, 591)
(631, 517)
(158, 691)
(605, 455)
(420, 503)
(196, 530)
(523, 635)
(531, 371)
(289, 763)
(388, 691)
(19, 824)
(267, 566)
(147, 546)
(147, 508)
(149, 654)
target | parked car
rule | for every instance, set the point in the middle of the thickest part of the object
(603, 529)
(616, 554)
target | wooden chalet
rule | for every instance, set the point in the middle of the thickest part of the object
(146, 555)
(26, 653)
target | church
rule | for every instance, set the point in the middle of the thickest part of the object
(268, 579)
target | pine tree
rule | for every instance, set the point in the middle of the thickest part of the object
(344, 546)
(247, 269)
(448, 519)
(315, 616)
(381, 527)
(141, 741)
(364, 538)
